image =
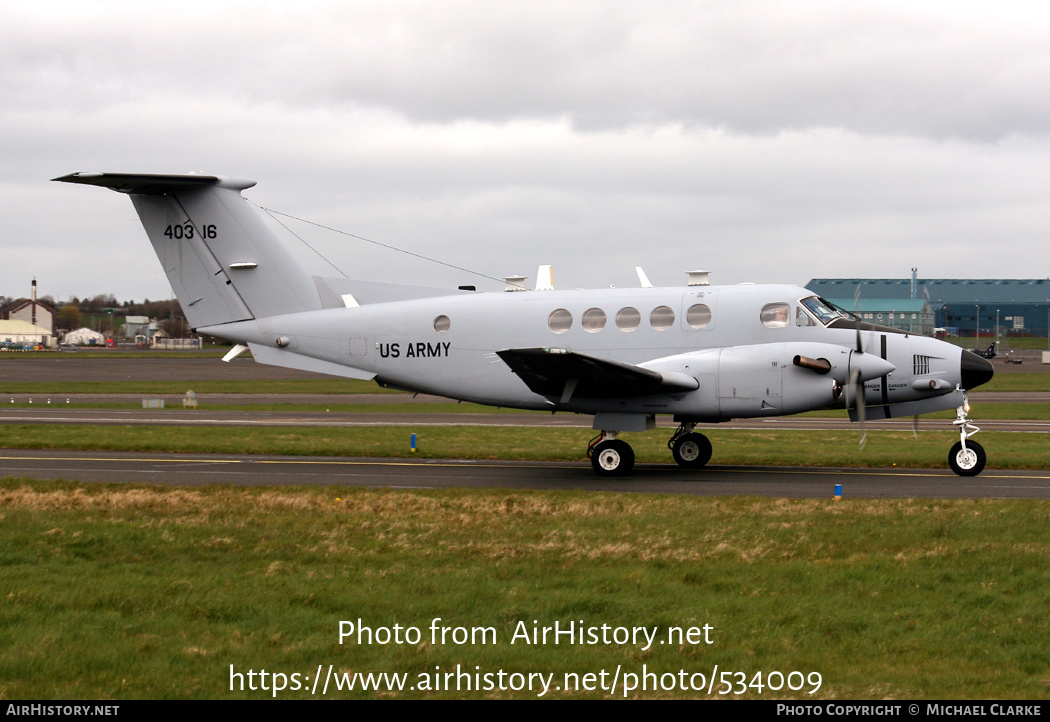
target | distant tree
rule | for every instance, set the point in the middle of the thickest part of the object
(97, 304)
(68, 318)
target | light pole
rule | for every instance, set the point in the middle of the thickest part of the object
(997, 329)
(977, 344)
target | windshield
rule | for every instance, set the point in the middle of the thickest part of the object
(823, 310)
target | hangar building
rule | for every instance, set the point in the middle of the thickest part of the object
(963, 306)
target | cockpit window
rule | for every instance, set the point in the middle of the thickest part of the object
(802, 318)
(824, 311)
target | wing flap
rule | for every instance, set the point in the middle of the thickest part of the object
(557, 373)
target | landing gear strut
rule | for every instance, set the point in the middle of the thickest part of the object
(610, 456)
(689, 449)
(966, 457)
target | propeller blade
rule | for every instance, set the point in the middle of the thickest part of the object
(856, 387)
(862, 407)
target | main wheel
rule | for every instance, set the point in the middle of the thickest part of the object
(691, 451)
(969, 462)
(613, 458)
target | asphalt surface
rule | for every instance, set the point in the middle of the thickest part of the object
(208, 469)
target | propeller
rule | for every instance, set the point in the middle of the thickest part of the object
(859, 401)
(855, 382)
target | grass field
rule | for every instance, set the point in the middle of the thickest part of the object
(139, 592)
(142, 592)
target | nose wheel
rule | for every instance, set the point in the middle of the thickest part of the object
(966, 460)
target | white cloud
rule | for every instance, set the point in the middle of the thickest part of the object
(764, 141)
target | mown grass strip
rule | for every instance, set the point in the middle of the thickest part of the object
(121, 592)
(302, 386)
(1021, 381)
(778, 448)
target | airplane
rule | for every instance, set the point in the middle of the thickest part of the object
(701, 353)
(988, 353)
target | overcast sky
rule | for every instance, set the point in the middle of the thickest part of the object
(763, 141)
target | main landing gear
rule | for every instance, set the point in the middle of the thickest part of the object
(689, 449)
(614, 457)
(966, 457)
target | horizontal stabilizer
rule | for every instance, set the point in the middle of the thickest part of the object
(147, 184)
(557, 373)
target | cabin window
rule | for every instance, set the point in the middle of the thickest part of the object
(662, 318)
(559, 321)
(775, 315)
(628, 319)
(441, 324)
(698, 315)
(593, 320)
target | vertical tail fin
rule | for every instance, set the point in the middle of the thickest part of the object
(224, 263)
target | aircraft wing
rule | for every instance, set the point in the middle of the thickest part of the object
(557, 373)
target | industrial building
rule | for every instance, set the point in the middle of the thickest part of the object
(964, 307)
(22, 334)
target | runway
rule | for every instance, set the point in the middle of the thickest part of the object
(780, 482)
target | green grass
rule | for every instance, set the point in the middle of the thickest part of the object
(122, 592)
(180, 387)
(1020, 381)
(778, 448)
(450, 407)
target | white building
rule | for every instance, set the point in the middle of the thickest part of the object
(23, 333)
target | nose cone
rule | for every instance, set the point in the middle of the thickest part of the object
(869, 366)
(974, 370)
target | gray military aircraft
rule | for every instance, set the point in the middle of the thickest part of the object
(701, 353)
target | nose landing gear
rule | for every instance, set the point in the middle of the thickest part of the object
(966, 458)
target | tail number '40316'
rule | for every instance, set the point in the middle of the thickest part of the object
(187, 230)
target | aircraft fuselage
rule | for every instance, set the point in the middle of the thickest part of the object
(743, 363)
